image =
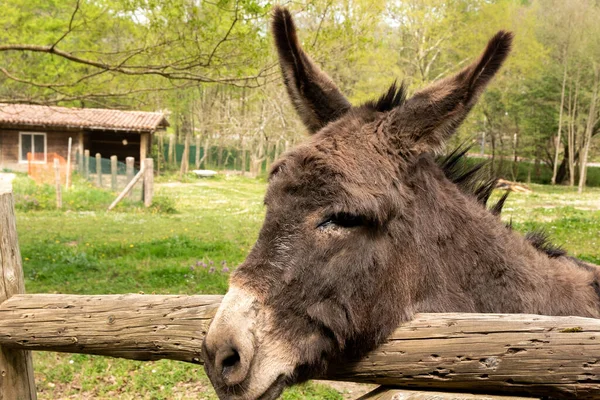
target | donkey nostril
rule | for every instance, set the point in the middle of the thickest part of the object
(232, 368)
(230, 362)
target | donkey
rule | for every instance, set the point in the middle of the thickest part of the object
(364, 228)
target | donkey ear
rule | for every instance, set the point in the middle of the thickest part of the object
(434, 113)
(316, 98)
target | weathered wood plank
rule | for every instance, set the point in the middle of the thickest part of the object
(16, 368)
(139, 327)
(389, 393)
(528, 355)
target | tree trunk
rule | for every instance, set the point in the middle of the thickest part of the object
(185, 157)
(501, 163)
(587, 137)
(572, 133)
(560, 117)
(203, 160)
(197, 152)
(171, 151)
(208, 153)
(515, 166)
(220, 156)
(243, 158)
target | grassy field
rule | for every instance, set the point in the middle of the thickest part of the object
(189, 242)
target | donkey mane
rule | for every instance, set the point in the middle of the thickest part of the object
(394, 97)
(540, 240)
(473, 181)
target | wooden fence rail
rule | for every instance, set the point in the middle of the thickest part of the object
(487, 353)
(533, 355)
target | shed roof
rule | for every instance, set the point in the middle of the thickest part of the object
(88, 118)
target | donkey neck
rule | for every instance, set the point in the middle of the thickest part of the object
(469, 261)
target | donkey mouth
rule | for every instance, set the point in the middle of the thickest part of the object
(275, 390)
(237, 392)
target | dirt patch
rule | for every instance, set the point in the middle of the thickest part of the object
(349, 390)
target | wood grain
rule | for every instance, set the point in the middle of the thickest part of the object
(138, 327)
(527, 355)
(16, 368)
(389, 393)
(514, 354)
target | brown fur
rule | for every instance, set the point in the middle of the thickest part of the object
(364, 228)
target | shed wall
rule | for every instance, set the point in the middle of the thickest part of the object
(56, 142)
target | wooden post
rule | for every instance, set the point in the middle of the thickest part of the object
(98, 169)
(148, 181)
(16, 367)
(144, 142)
(68, 173)
(86, 164)
(57, 182)
(113, 173)
(127, 189)
(129, 161)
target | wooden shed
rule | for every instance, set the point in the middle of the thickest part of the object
(41, 130)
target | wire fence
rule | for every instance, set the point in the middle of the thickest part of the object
(109, 173)
(106, 173)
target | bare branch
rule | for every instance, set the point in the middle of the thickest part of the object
(70, 29)
(162, 71)
(224, 38)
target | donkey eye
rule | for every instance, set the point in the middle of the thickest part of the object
(342, 220)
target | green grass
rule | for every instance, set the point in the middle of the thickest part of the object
(571, 219)
(208, 229)
(82, 195)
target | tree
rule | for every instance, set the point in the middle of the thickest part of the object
(97, 51)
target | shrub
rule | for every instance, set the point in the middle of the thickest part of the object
(162, 204)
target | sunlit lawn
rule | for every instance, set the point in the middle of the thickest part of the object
(193, 251)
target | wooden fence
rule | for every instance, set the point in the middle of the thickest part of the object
(491, 354)
(125, 181)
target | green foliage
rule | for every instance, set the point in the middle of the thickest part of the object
(189, 58)
(163, 204)
(128, 47)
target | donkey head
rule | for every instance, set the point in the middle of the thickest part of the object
(332, 272)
